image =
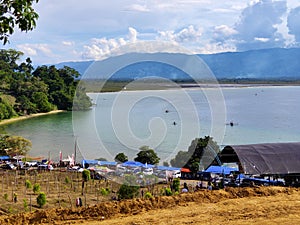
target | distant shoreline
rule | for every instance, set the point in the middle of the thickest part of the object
(16, 119)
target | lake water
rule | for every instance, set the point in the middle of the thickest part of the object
(167, 121)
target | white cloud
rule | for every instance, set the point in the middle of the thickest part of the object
(189, 34)
(100, 48)
(293, 23)
(34, 49)
(259, 22)
(137, 8)
(68, 43)
(224, 31)
(262, 39)
(132, 34)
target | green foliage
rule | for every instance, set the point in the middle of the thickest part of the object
(147, 155)
(36, 188)
(168, 192)
(28, 184)
(16, 13)
(166, 164)
(41, 199)
(104, 191)
(25, 204)
(5, 196)
(86, 175)
(121, 158)
(201, 153)
(128, 192)
(15, 145)
(176, 184)
(42, 90)
(130, 179)
(148, 195)
(67, 180)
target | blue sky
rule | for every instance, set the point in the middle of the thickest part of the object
(94, 29)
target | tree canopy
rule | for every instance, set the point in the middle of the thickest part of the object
(24, 90)
(18, 14)
(201, 153)
(147, 155)
(121, 157)
(14, 145)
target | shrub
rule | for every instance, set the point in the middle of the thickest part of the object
(168, 192)
(104, 191)
(41, 199)
(36, 188)
(67, 180)
(28, 184)
(128, 192)
(25, 204)
(86, 175)
(5, 196)
(148, 195)
(176, 184)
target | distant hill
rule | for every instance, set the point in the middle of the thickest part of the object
(277, 63)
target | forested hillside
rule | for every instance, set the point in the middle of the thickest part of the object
(25, 90)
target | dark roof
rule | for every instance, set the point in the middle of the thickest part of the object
(269, 158)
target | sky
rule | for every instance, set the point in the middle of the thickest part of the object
(71, 30)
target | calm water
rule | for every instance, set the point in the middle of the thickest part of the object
(166, 121)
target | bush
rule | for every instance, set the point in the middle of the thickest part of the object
(128, 192)
(36, 188)
(168, 192)
(176, 184)
(41, 199)
(148, 195)
(104, 191)
(28, 184)
(86, 175)
(67, 180)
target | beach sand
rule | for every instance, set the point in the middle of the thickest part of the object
(15, 119)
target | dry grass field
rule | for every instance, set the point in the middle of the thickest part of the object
(259, 205)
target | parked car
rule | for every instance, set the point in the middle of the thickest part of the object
(177, 174)
(148, 171)
(8, 166)
(45, 167)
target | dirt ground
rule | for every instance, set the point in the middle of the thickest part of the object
(259, 205)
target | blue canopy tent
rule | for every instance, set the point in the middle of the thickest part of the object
(132, 164)
(106, 163)
(148, 165)
(167, 168)
(220, 170)
(5, 157)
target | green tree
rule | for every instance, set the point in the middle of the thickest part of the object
(41, 199)
(41, 101)
(201, 153)
(121, 158)
(17, 145)
(166, 164)
(36, 188)
(147, 155)
(128, 192)
(16, 13)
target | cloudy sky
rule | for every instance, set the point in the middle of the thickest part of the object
(69, 30)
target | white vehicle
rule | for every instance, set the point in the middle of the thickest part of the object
(148, 171)
(177, 174)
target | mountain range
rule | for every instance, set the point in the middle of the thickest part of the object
(275, 63)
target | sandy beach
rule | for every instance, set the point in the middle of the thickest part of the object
(15, 119)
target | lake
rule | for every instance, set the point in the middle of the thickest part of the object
(167, 121)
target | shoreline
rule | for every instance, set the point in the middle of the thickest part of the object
(16, 119)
